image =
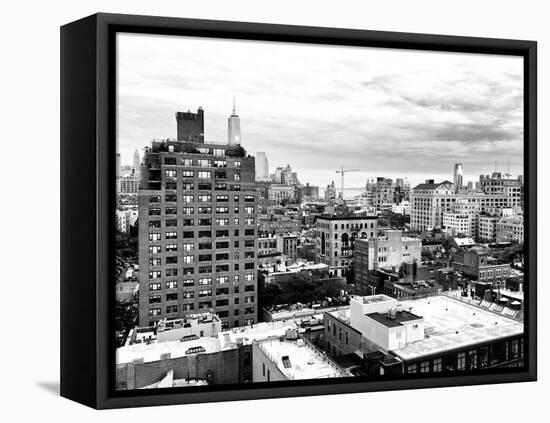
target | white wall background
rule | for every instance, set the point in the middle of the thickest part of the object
(30, 213)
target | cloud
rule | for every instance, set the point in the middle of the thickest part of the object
(386, 112)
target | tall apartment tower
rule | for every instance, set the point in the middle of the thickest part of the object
(457, 177)
(190, 126)
(262, 166)
(136, 165)
(234, 128)
(197, 233)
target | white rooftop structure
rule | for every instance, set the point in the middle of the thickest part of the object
(247, 334)
(297, 359)
(444, 324)
(164, 350)
(190, 345)
(464, 242)
(453, 324)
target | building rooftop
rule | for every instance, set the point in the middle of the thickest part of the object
(160, 350)
(432, 185)
(303, 314)
(297, 359)
(454, 324)
(335, 217)
(247, 334)
(400, 317)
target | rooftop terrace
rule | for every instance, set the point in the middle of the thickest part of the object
(297, 359)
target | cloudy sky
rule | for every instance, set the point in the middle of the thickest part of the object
(393, 113)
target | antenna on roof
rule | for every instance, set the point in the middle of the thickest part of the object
(233, 104)
(508, 171)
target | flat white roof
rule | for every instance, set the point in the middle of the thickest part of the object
(510, 294)
(259, 331)
(153, 351)
(304, 361)
(454, 324)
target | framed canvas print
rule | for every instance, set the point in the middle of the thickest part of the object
(257, 211)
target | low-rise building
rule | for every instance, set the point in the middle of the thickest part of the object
(429, 335)
(222, 359)
(276, 224)
(487, 228)
(280, 273)
(291, 357)
(478, 264)
(510, 229)
(192, 326)
(335, 239)
(281, 193)
(388, 251)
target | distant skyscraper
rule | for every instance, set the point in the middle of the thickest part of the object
(234, 128)
(262, 166)
(137, 163)
(458, 176)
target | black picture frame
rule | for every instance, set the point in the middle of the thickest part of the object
(88, 198)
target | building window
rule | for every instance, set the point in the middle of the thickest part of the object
(171, 285)
(154, 286)
(155, 274)
(461, 361)
(154, 312)
(155, 262)
(154, 299)
(437, 365)
(171, 235)
(412, 368)
(154, 249)
(154, 199)
(205, 174)
(425, 367)
(172, 296)
(172, 309)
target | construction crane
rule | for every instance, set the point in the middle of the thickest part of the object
(342, 172)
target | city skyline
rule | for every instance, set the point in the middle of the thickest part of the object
(430, 106)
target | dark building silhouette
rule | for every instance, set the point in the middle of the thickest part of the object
(191, 126)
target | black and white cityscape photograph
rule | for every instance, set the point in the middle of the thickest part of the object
(292, 211)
